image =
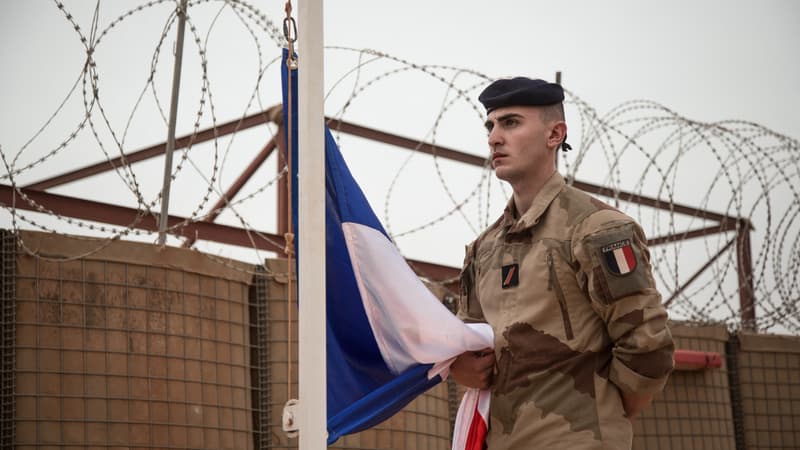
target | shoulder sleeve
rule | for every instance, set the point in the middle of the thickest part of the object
(469, 308)
(612, 252)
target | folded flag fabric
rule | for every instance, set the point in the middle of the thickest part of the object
(388, 338)
(472, 420)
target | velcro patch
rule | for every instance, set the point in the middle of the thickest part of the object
(619, 257)
(510, 276)
(619, 262)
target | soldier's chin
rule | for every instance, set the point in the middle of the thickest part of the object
(502, 173)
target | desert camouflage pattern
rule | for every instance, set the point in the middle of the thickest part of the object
(571, 332)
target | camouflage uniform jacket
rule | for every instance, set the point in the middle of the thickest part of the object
(569, 293)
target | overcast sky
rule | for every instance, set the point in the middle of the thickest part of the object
(708, 60)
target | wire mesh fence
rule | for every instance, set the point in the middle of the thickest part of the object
(141, 347)
(8, 307)
(694, 411)
(769, 376)
(117, 350)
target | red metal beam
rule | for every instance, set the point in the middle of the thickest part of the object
(129, 217)
(157, 150)
(399, 141)
(716, 229)
(653, 202)
(455, 155)
(237, 185)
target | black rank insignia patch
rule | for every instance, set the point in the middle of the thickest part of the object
(510, 276)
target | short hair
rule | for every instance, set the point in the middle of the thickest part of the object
(554, 112)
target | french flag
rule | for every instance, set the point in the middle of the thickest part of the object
(389, 339)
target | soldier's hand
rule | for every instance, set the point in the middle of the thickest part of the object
(474, 369)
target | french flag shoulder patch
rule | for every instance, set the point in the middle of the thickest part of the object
(619, 257)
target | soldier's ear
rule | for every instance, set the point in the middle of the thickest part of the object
(558, 132)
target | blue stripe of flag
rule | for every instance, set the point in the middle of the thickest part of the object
(362, 391)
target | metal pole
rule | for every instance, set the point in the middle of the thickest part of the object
(698, 273)
(283, 186)
(311, 228)
(173, 118)
(747, 303)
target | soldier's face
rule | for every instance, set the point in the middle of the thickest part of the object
(518, 144)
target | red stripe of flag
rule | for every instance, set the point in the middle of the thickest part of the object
(476, 436)
(629, 258)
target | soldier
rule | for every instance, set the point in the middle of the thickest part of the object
(564, 280)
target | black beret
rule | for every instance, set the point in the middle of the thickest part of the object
(520, 91)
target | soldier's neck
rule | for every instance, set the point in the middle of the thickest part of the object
(526, 190)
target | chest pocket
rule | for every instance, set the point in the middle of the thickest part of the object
(557, 273)
(561, 281)
(567, 284)
(542, 293)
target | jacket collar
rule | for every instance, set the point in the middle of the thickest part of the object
(546, 195)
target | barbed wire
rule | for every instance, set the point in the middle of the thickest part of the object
(739, 170)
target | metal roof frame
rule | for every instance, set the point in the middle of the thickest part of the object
(208, 230)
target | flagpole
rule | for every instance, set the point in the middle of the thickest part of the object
(312, 420)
